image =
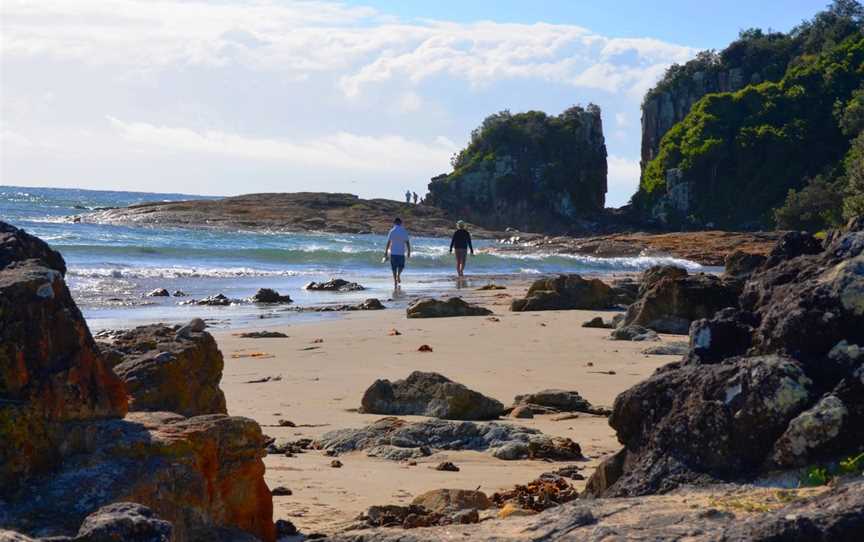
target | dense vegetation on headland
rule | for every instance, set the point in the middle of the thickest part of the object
(787, 152)
(533, 171)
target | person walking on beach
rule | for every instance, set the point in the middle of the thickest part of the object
(408, 197)
(461, 242)
(415, 198)
(399, 246)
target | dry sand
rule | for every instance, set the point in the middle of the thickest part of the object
(323, 381)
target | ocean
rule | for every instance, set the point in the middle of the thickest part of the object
(112, 268)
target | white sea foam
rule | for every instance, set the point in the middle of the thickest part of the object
(179, 272)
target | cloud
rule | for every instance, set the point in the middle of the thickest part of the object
(342, 150)
(303, 37)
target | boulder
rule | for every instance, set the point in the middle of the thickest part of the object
(694, 423)
(553, 401)
(371, 304)
(597, 322)
(429, 394)
(566, 292)
(398, 440)
(167, 371)
(428, 307)
(202, 474)
(159, 292)
(124, 521)
(335, 285)
(270, 296)
(670, 299)
(51, 372)
(445, 501)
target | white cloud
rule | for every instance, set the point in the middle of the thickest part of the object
(341, 150)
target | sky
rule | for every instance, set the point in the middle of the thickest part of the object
(370, 97)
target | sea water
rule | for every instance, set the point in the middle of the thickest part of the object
(111, 268)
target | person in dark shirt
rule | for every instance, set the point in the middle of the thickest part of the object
(461, 242)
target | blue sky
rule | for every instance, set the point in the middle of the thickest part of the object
(369, 97)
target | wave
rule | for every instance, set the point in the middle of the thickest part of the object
(175, 272)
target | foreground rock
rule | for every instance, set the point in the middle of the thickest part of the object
(434, 308)
(833, 516)
(429, 394)
(670, 299)
(775, 382)
(169, 371)
(398, 440)
(65, 448)
(566, 292)
(371, 304)
(335, 285)
(51, 372)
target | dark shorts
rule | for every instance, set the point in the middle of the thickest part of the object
(397, 262)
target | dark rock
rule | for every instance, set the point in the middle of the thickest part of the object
(433, 308)
(633, 333)
(792, 245)
(335, 285)
(164, 371)
(696, 423)
(741, 265)
(670, 299)
(597, 322)
(566, 292)
(727, 334)
(218, 300)
(398, 440)
(429, 394)
(16, 245)
(268, 295)
(555, 400)
(262, 335)
(159, 292)
(179, 293)
(124, 521)
(447, 466)
(281, 491)
(285, 528)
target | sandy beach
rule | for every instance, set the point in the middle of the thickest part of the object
(326, 366)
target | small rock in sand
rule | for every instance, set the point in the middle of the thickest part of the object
(317, 341)
(281, 491)
(678, 348)
(447, 466)
(285, 528)
(597, 322)
(394, 332)
(424, 348)
(262, 335)
(336, 464)
(634, 333)
(286, 423)
(522, 411)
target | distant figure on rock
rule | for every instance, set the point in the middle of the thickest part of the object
(415, 198)
(408, 197)
(399, 246)
(461, 242)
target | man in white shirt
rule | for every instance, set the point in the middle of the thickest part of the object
(399, 246)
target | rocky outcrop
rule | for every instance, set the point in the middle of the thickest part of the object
(429, 394)
(670, 299)
(398, 440)
(51, 372)
(553, 401)
(739, 264)
(529, 171)
(566, 292)
(334, 285)
(428, 307)
(168, 371)
(281, 212)
(775, 382)
(66, 449)
(445, 501)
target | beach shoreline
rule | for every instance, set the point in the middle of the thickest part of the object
(320, 371)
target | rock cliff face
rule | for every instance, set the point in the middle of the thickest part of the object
(66, 448)
(528, 171)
